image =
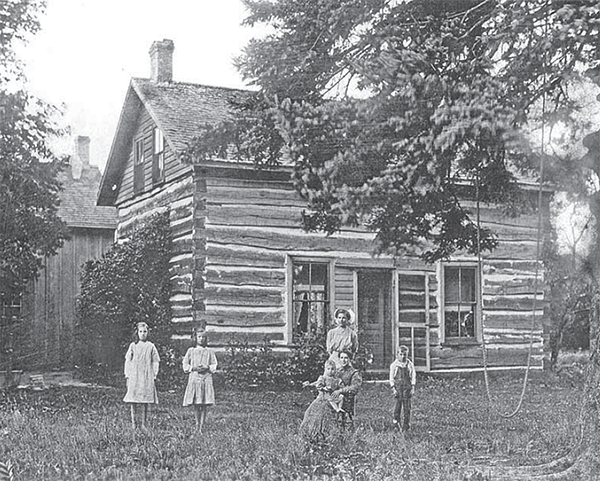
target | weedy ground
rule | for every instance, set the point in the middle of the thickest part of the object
(84, 433)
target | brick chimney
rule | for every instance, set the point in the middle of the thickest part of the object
(161, 60)
(81, 160)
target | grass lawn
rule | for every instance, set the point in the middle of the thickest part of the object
(84, 433)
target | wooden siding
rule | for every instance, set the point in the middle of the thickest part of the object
(173, 167)
(252, 224)
(50, 309)
(507, 314)
(344, 288)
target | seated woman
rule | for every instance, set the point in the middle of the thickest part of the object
(351, 380)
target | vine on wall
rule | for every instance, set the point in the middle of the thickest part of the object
(129, 284)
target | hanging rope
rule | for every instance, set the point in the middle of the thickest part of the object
(535, 285)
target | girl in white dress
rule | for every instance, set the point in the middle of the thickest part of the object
(200, 362)
(141, 369)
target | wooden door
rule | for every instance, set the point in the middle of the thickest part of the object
(415, 301)
(374, 306)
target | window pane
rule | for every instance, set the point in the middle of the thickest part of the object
(301, 274)
(460, 301)
(460, 323)
(318, 274)
(467, 283)
(158, 141)
(10, 305)
(451, 322)
(139, 151)
(310, 297)
(451, 285)
(467, 323)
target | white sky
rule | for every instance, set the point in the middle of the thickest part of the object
(87, 50)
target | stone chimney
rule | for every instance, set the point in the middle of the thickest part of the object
(81, 159)
(161, 60)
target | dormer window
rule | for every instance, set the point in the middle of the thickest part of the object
(158, 157)
(138, 166)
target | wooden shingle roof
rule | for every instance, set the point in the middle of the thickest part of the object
(78, 201)
(179, 109)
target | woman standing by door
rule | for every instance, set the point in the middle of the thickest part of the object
(341, 338)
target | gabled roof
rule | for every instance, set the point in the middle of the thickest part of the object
(78, 201)
(179, 109)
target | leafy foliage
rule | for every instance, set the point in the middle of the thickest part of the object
(260, 366)
(308, 358)
(129, 284)
(6, 471)
(247, 139)
(251, 365)
(18, 20)
(570, 277)
(29, 226)
(391, 112)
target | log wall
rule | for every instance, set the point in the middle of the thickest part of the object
(177, 196)
(252, 224)
(235, 230)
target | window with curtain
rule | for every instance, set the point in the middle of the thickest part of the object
(310, 297)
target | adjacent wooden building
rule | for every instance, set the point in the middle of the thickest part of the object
(243, 265)
(49, 308)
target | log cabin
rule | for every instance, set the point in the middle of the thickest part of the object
(243, 266)
(47, 310)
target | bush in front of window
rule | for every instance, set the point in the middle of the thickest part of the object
(249, 366)
(259, 366)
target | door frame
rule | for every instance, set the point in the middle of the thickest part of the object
(393, 303)
(427, 308)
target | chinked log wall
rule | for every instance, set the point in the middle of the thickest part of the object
(233, 227)
(253, 221)
(177, 198)
(509, 276)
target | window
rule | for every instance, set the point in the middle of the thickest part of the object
(460, 302)
(10, 306)
(158, 157)
(310, 297)
(138, 166)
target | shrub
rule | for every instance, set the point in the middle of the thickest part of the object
(129, 284)
(307, 359)
(255, 366)
(260, 366)
(170, 375)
